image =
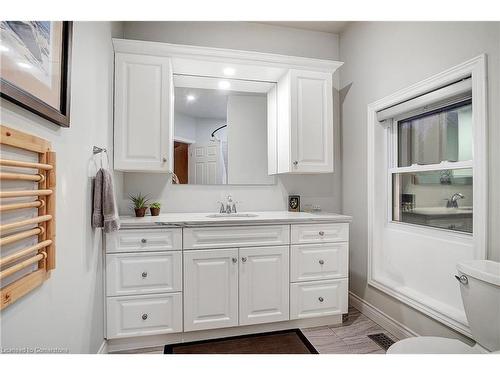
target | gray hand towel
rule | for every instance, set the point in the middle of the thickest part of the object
(105, 211)
(97, 218)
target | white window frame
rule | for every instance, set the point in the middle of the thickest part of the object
(393, 168)
(476, 69)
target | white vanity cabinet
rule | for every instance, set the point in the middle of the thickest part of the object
(194, 281)
(303, 132)
(143, 124)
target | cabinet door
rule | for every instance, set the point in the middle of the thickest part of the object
(143, 113)
(210, 289)
(264, 287)
(311, 122)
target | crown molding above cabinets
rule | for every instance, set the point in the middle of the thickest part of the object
(300, 105)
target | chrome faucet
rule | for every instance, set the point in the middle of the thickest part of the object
(229, 207)
(453, 201)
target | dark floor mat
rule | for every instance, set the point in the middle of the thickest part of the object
(281, 342)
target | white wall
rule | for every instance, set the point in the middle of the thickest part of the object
(67, 311)
(247, 140)
(381, 58)
(184, 126)
(324, 190)
(238, 35)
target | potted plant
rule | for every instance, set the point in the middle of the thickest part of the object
(155, 208)
(140, 204)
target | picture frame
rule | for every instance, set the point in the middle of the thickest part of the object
(31, 49)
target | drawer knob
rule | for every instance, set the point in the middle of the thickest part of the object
(144, 316)
(144, 274)
(235, 260)
(321, 233)
(144, 240)
(295, 163)
(321, 261)
(321, 299)
(244, 259)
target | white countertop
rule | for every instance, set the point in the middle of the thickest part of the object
(265, 217)
(441, 211)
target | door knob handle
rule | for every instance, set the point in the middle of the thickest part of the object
(235, 260)
(321, 261)
(144, 316)
(321, 299)
(244, 259)
(144, 274)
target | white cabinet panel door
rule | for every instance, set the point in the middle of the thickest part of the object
(311, 122)
(143, 113)
(264, 285)
(154, 314)
(143, 273)
(319, 233)
(318, 298)
(210, 289)
(131, 240)
(319, 261)
(232, 237)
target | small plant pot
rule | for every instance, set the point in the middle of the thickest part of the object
(154, 211)
(140, 212)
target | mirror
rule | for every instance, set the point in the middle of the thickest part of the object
(220, 131)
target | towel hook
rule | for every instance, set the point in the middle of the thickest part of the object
(100, 150)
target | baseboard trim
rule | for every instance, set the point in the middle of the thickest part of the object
(381, 318)
(103, 349)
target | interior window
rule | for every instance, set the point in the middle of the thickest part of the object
(432, 174)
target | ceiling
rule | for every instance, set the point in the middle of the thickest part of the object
(333, 27)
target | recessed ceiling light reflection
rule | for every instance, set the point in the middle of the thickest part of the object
(224, 85)
(190, 98)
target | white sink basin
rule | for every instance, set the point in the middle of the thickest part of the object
(232, 215)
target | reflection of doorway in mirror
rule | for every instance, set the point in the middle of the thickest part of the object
(181, 158)
(203, 163)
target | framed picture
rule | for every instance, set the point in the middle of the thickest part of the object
(35, 67)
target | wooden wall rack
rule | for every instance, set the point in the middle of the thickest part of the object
(42, 226)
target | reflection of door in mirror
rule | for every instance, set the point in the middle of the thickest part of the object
(181, 150)
(225, 128)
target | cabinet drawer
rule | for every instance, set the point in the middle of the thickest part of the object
(141, 273)
(317, 233)
(319, 261)
(144, 240)
(144, 315)
(223, 237)
(318, 298)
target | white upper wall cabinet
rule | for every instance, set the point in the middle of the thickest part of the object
(143, 113)
(299, 105)
(304, 127)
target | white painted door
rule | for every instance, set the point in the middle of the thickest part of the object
(210, 289)
(143, 113)
(311, 122)
(203, 163)
(264, 285)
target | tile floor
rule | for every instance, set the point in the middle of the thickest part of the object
(348, 338)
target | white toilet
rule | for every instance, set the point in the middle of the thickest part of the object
(480, 288)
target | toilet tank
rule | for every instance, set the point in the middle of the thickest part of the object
(480, 291)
